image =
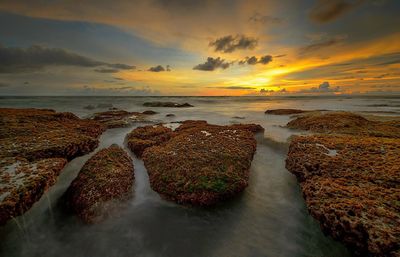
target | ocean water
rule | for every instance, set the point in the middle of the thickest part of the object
(268, 219)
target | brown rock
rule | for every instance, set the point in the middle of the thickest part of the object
(199, 163)
(345, 123)
(34, 147)
(351, 185)
(149, 112)
(105, 180)
(118, 118)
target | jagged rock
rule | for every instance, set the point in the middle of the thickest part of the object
(34, 147)
(345, 123)
(118, 118)
(198, 163)
(284, 111)
(352, 187)
(166, 104)
(104, 181)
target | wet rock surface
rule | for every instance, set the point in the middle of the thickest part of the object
(119, 118)
(35, 144)
(104, 181)
(346, 123)
(167, 104)
(199, 163)
(143, 137)
(351, 180)
(284, 111)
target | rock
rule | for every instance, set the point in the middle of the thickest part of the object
(23, 182)
(149, 112)
(89, 107)
(238, 117)
(104, 181)
(198, 163)
(351, 185)
(34, 147)
(284, 111)
(170, 115)
(344, 123)
(166, 104)
(118, 118)
(143, 137)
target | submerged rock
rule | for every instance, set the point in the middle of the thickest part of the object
(345, 123)
(104, 181)
(352, 187)
(89, 107)
(149, 112)
(166, 104)
(34, 147)
(284, 111)
(118, 118)
(170, 115)
(198, 163)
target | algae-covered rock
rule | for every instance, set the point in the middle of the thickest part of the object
(198, 163)
(118, 118)
(352, 187)
(284, 111)
(35, 144)
(167, 104)
(345, 123)
(105, 179)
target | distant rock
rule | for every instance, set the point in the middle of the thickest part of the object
(351, 186)
(284, 111)
(198, 163)
(104, 181)
(149, 112)
(35, 145)
(238, 117)
(118, 118)
(170, 115)
(89, 107)
(166, 104)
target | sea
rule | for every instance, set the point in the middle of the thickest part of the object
(269, 218)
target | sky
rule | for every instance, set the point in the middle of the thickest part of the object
(202, 48)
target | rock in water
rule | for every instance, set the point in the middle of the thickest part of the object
(143, 137)
(118, 118)
(351, 183)
(166, 104)
(34, 147)
(284, 111)
(199, 163)
(104, 181)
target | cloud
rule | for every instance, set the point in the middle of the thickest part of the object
(19, 60)
(159, 68)
(212, 64)
(329, 10)
(316, 46)
(121, 66)
(271, 91)
(231, 43)
(254, 60)
(106, 70)
(325, 87)
(265, 19)
(3, 85)
(235, 88)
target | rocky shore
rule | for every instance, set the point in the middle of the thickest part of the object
(167, 104)
(350, 177)
(198, 163)
(120, 118)
(35, 144)
(104, 181)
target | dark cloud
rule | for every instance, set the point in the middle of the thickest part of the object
(3, 84)
(266, 91)
(159, 68)
(265, 19)
(212, 64)
(316, 46)
(16, 60)
(235, 88)
(231, 43)
(328, 10)
(280, 55)
(325, 87)
(121, 66)
(254, 60)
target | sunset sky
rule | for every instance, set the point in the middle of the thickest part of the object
(209, 47)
